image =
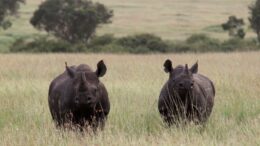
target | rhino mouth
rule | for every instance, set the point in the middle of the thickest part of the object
(184, 92)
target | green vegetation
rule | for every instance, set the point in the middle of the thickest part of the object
(172, 24)
(254, 18)
(43, 44)
(235, 27)
(134, 83)
(141, 43)
(70, 20)
(7, 8)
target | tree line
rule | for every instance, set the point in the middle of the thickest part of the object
(75, 21)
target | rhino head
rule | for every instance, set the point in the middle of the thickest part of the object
(86, 85)
(181, 81)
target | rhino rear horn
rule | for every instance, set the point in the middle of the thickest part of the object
(101, 69)
(186, 69)
(70, 71)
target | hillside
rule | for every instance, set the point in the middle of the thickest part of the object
(170, 19)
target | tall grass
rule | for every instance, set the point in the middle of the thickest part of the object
(134, 84)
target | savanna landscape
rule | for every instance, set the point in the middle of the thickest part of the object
(134, 81)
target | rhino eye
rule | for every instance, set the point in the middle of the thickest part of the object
(95, 90)
(180, 84)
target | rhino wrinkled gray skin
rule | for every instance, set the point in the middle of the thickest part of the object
(186, 96)
(78, 98)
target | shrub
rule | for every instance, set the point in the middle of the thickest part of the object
(178, 46)
(237, 44)
(44, 44)
(143, 43)
(102, 40)
(110, 48)
(202, 43)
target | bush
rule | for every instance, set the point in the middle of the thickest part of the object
(237, 44)
(143, 43)
(202, 43)
(232, 44)
(178, 46)
(44, 44)
(197, 38)
(110, 48)
(102, 40)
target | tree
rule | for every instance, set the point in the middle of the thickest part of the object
(74, 21)
(235, 27)
(254, 19)
(7, 8)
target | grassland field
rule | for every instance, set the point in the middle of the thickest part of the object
(169, 19)
(133, 83)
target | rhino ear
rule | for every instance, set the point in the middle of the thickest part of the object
(168, 66)
(194, 68)
(70, 71)
(101, 69)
